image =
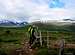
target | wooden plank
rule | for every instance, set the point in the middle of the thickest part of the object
(40, 39)
(48, 40)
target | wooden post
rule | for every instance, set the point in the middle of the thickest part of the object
(47, 39)
(61, 48)
(40, 39)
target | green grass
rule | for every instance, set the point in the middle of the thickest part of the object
(46, 51)
(54, 51)
(13, 40)
(42, 51)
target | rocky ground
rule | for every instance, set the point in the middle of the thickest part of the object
(25, 50)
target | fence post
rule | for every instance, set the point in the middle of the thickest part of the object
(40, 39)
(47, 39)
(61, 48)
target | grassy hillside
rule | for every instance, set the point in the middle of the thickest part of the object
(51, 27)
(16, 36)
(12, 38)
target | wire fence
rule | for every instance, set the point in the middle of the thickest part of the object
(60, 40)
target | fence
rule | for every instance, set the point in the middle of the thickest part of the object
(56, 40)
(60, 40)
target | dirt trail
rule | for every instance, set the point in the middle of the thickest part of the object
(25, 50)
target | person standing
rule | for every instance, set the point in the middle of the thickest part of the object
(32, 33)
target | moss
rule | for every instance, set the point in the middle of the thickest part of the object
(42, 51)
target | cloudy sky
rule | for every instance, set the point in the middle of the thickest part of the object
(34, 10)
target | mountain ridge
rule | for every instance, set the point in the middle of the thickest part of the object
(7, 23)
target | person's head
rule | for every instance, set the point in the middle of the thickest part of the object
(33, 26)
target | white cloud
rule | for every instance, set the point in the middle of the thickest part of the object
(32, 10)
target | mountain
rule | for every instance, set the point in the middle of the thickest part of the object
(56, 26)
(68, 20)
(7, 23)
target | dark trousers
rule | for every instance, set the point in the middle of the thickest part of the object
(32, 39)
(61, 51)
